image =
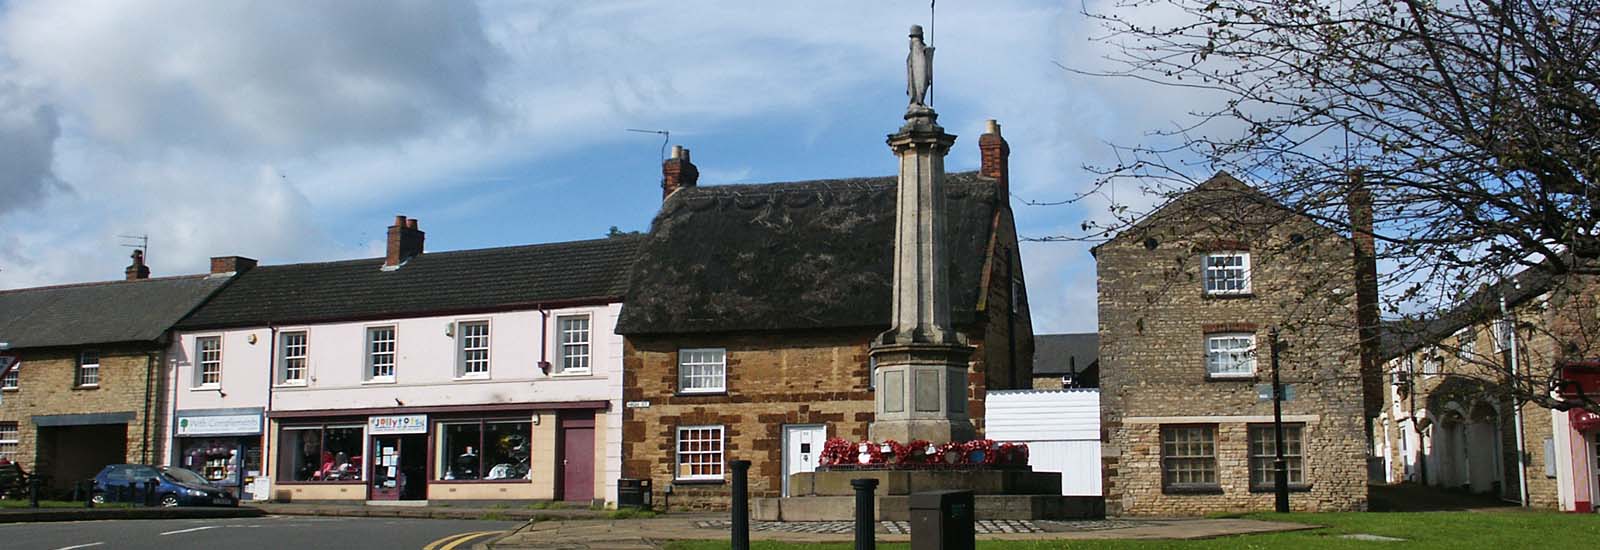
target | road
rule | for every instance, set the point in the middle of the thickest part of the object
(266, 533)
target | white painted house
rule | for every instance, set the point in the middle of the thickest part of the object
(490, 374)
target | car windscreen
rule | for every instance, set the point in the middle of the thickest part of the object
(185, 476)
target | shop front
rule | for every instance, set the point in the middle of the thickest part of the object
(434, 453)
(1580, 386)
(224, 446)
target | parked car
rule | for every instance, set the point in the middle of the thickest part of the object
(174, 486)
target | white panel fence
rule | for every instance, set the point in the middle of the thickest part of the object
(1061, 428)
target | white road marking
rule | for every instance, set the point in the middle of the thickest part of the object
(190, 530)
(80, 546)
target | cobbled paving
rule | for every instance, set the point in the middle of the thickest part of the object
(982, 527)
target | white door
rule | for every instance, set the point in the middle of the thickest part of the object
(802, 450)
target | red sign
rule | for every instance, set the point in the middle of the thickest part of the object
(1583, 420)
(1576, 377)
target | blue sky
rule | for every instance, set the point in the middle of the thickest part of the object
(295, 131)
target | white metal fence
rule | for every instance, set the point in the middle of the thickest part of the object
(1061, 428)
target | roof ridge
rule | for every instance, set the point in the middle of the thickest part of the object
(102, 283)
(462, 251)
(840, 180)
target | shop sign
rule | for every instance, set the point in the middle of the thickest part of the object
(219, 425)
(1583, 420)
(397, 424)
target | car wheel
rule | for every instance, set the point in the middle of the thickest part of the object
(98, 498)
(169, 500)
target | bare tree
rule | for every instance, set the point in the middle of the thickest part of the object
(1475, 123)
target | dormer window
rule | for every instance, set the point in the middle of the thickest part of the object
(1227, 273)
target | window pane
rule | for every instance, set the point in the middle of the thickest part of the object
(210, 352)
(700, 452)
(1230, 354)
(294, 357)
(1263, 451)
(574, 338)
(380, 353)
(1227, 273)
(474, 337)
(89, 368)
(463, 444)
(12, 378)
(506, 449)
(1189, 455)
(702, 370)
(10, 436)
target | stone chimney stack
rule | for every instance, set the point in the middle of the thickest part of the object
(137, 270)
(231, 265)
(677, 172)
(405, 241)
(1359, 202)
(996, 155)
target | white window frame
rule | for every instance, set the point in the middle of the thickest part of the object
(680, 450)
(1432, 363)
(9, 446)
(462, 363)
(1466, 343)
(81, 376)
(12, 381)
(692, 370)
(1224, 273)
(284, 359)
(574, 352)
(372, 354)
(200, 362)
(1213, 351)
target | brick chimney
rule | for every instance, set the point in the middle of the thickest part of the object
(996, 155)
(405, 241)
(1359, 202)
(137, 270)
(677, 172)
(231, 265)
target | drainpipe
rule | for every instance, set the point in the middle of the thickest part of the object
(172, 408)
(1522, 462)
(149, 382)
(544, 340)
(266, 426)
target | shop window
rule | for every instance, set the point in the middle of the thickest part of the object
(472, 342)
(1227, 273)
(10, 436)
(1189, 458)
(218, 459)
(320, 453)
(292, 365)
(486, 450)
(699, 453)
(1263, 451)
(1231, 355)
(208, 369)
(380, 354)
(702, 371)
(574, 340)
(88, 374)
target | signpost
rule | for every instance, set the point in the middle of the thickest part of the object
(1280, 468)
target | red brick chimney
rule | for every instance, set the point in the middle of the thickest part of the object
(137, 270)
(231, 265)
(677, 172)
(1359, 202)
(405, 241)
(996, 155)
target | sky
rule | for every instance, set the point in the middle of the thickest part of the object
(294, 131)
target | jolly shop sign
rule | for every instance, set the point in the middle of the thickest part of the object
(398, 424)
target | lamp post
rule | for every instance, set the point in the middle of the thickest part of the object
(1280, 468)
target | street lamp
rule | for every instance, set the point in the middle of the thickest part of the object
(1280, 468)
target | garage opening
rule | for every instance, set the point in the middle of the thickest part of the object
(68, 454)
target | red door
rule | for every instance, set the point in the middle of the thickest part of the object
(577, 458)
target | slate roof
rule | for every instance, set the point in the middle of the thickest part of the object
(1059, 354)
(1398, 337)
(796, 255)
(100, 313)
(431, 283)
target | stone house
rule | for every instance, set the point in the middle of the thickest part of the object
(1450, 419)
(487, 374)
(751, 307)
(1187, 298)
(85, 388)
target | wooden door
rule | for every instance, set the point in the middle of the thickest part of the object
(577, 459)
(385, 474)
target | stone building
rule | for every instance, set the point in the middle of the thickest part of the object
(1187, 298)
(86, 387)
(1451, 418)
(751, 308)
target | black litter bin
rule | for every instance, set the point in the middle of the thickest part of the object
(942, 520)
(633, 493)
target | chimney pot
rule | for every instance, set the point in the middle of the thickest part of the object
(992, 127)
(678, 172)
(405, 242)
(137, 270)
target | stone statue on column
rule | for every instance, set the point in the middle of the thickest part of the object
(919, 72)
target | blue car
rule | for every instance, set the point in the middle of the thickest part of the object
(174, 486)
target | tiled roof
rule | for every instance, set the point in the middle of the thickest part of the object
(1057, 354)
(430, 283)
(100, 313)
(797, 255)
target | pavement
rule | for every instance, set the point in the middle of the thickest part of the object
(650, 534)
(434, 511)
(263, 533)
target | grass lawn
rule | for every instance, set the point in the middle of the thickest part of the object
(1492, 530)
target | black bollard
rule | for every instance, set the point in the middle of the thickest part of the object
(150, 493)
(865, 533)
(33, 491)
(741, 505)
(88, 493)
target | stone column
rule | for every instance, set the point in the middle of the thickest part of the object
(921, 360)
